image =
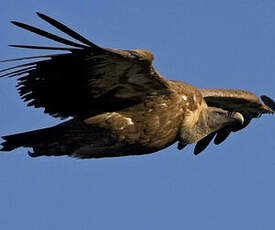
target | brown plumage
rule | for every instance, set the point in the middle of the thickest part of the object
(119, 104)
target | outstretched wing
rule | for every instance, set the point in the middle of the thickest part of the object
(241, 101)
(244, 102)
(87, 80)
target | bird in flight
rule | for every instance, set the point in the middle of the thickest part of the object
(117, 102)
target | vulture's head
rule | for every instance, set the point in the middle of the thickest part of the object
(218, 118)
(209, 120)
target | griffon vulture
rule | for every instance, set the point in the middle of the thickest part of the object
(118, 103)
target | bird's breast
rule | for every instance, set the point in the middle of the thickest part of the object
(153, 123)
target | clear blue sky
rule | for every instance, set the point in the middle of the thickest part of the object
(208, 43)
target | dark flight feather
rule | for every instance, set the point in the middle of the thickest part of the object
(222, 134)
(44, 47)
(18, 72)
(67, 30)
(269, 102)
(181, 146)
(18, 66)
(48, 35)
(203, 143)
(26, 58)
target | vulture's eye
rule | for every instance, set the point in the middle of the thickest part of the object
(220, 113)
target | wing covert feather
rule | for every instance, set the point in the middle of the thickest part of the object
(241, 101)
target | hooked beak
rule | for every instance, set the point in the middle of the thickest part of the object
(237, 117)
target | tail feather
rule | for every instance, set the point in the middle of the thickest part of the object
(30, 139)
